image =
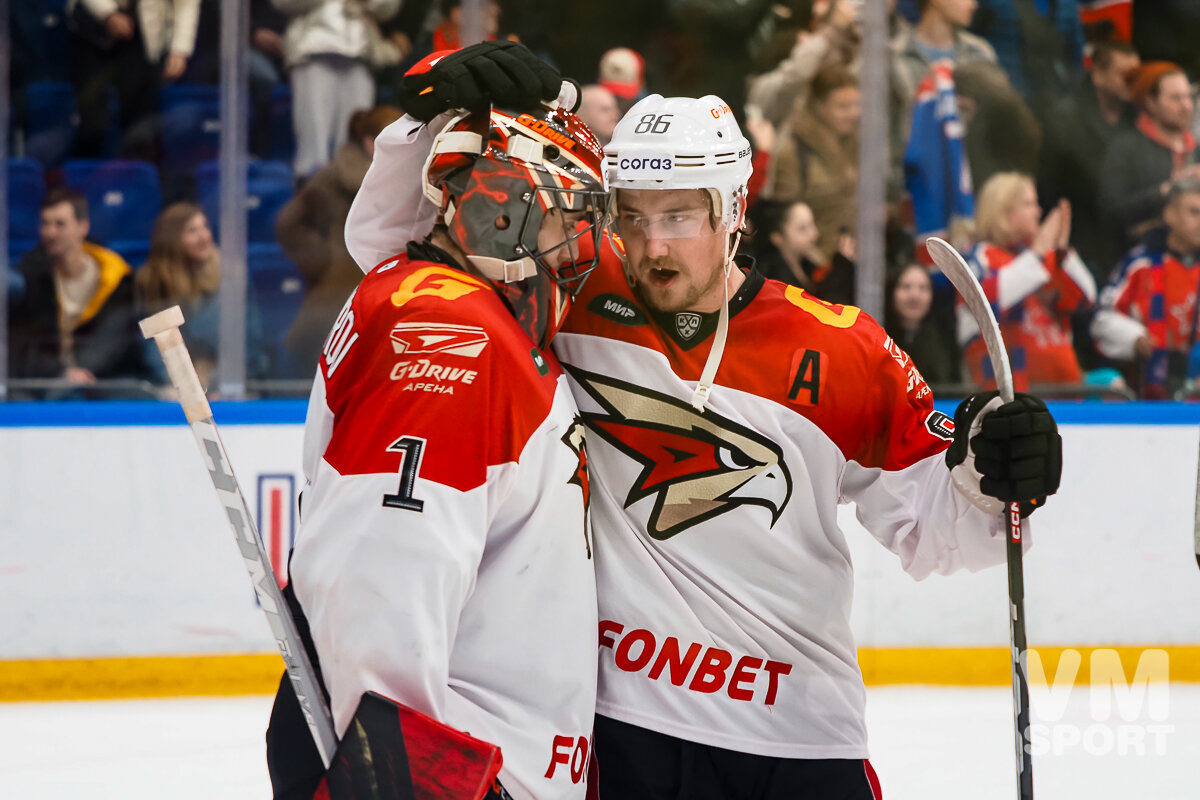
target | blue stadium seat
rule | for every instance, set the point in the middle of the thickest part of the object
(191, 125)
(134, 251)
(268, 189)
(17, 248)
(51, 121)
(124, 197)
(16, 284)
(283, 133)
(56, 39)
(276, 290)
(26, 188)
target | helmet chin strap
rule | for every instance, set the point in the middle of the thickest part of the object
(713, 362)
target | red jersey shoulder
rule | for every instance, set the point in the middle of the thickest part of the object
(835, 365)
(426, 352)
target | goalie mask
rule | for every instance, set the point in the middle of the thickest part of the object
(523, 195)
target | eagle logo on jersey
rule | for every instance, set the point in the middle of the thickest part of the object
(575, 440)
(696, 466)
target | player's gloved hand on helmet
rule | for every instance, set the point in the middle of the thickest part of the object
(501, 73)
(1005, 451)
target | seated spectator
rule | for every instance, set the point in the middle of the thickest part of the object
(1076, 140)
(1141, 164)
(909, 320)
(816, 157)
(330, 45)
(311, 231)
(599, 111)
(940, 34)
(76, 319)
(1034, 281)
(1147, 315)
(787, 252)
(132, 47)
(184, 269)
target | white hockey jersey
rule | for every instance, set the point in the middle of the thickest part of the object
(443, 557)
(724, 582)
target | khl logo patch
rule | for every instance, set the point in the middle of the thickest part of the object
(687, 323)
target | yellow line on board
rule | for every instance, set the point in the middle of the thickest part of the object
(991, 666)
(245, 674)
(151, 676)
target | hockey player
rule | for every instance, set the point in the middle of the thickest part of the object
(730, 417)
(443, 556)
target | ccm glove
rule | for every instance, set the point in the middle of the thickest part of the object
(1005, 451)
(501, 73)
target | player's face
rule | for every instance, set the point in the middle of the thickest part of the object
(675, 254)
(556, 240)
(1183, 218)
(913, 294)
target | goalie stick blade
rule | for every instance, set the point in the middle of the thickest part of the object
(393, 752)
(952, 265)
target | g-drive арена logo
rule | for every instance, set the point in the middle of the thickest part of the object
(1107, 711)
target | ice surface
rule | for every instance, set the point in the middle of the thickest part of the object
(926, 744)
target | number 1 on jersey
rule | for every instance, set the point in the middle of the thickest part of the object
(410, 449)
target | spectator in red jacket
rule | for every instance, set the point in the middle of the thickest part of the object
(1033, 279)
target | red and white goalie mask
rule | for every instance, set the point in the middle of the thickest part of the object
(523, 195)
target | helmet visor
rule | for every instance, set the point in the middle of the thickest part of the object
(682, 224)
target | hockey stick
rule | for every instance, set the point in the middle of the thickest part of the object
(955, 268)
(163, 327)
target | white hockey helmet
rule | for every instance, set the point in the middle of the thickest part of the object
(682, 143)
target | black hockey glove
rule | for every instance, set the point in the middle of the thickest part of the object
(1005, 451)
(501, 73)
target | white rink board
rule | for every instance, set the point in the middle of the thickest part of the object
(112, 544)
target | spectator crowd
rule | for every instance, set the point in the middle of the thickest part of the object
(1052, 141)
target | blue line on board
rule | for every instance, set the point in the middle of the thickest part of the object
(145, 413)
(150, 413)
